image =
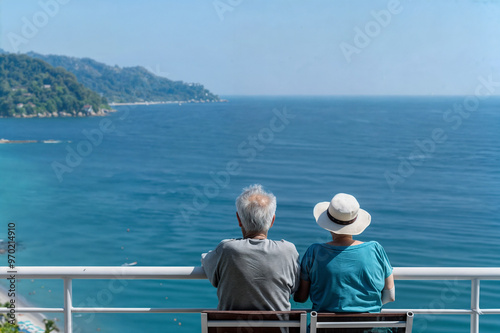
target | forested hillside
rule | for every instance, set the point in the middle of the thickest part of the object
(31, 87)
(128, 84)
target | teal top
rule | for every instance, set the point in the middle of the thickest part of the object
(346, 278)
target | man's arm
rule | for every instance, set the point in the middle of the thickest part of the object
(302, 293)
(209, 263)
(296, 282)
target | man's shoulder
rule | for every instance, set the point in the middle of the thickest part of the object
(232, 244)
(285, 247)
(243, 244)
(231, 241)
(238, 241)
(283, 243)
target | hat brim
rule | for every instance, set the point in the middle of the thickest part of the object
(362, 221)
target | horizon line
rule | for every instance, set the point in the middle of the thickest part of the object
(353, 95)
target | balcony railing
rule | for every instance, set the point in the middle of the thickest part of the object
(68, 274)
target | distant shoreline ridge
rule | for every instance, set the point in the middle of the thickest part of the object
(168, 102)
(6, 141)
(62, 114)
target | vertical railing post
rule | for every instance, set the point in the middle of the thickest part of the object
(474, 305)
(68, 305)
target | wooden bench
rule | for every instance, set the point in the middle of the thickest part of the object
(361, 322)
(253, 321)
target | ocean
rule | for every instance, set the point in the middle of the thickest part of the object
(156, 184)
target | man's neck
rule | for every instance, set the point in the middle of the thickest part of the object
(257, 235)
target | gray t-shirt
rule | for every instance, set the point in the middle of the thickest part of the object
(253, 274)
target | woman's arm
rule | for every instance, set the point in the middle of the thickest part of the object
(302, 293)
(389, 292)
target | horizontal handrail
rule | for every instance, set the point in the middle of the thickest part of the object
(198, 310)
(446, 273)
(104, 272)
(248, 323)
(365, 324)
(190, 272)
(69, 273)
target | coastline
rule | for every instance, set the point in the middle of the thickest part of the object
(168, 102)
(100, 113)
(105, 112)
(34, 318)
(6, 141)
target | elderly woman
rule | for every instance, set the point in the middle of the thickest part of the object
(345, 275)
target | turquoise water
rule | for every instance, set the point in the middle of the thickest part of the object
(160, 188)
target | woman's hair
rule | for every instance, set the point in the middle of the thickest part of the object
(256, 208)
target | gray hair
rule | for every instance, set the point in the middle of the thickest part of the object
(256, 208)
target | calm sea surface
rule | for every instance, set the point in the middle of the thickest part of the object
(158, 188)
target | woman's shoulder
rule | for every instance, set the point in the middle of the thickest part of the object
(373, 243)
(362, 246)
(313, 247)
(375, 247)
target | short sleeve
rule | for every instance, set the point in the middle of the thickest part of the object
(384, 261)
(210, 263)
(296, 269)
(305, 266)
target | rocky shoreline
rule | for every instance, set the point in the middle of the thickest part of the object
(103, 112)
(81, 114)
(5, 141)
(169, 102)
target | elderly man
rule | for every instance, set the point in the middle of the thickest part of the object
(254, 272)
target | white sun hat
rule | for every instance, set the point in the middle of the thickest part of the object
(342, 215)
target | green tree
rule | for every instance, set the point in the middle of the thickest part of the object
(5, 325)
(129, 84)
(50, 326)
(41, 88)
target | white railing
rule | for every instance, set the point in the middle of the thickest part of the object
(68, 274)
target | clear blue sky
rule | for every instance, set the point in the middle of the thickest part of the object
(274, 47)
